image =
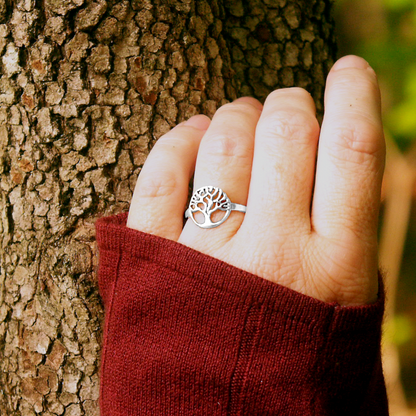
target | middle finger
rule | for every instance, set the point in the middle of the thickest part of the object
(283, 165)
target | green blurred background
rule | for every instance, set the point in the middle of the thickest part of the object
(384, 33)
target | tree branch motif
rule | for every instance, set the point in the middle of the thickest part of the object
(218, 201)
(208, 200)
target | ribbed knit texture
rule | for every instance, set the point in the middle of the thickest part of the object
(187, 334)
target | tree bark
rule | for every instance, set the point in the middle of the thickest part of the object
(86, 89)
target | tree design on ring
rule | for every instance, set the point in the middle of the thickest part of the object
(208, 200)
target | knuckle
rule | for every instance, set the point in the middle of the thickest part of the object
(358, 142)
(294, 125)
(157, 186)
(228, 145)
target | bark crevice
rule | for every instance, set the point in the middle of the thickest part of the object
(86, 88)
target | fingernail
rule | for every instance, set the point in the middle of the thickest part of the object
(199, 121)
(351, 61)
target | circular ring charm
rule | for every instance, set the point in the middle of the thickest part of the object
(207, 200)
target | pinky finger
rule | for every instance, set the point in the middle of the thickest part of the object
(161, 191)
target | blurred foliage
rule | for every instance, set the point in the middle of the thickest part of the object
(384, 33)
(398, 4)
(400, 329)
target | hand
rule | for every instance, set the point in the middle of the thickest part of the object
(311, 224)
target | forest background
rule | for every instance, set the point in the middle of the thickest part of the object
(50, 312)
(384, 33)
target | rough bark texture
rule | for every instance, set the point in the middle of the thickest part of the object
(86, 88)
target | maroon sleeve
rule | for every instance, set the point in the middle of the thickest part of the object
(187, 334)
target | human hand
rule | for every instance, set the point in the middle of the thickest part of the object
(310, 225)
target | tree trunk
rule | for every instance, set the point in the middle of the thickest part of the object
(85, 90)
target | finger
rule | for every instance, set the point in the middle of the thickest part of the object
(284, 163)
(351, 153)
(161, 190)
(224, 160)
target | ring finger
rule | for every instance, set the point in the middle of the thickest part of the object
(224, 160)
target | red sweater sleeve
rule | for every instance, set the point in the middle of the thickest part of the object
(187, 334)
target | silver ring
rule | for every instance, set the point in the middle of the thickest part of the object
(207, 200)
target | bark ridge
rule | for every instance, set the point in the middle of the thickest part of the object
(86, 88)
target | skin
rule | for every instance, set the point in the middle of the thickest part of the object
(311, 223)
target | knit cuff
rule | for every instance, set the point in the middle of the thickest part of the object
(113, 236)
(189, 334)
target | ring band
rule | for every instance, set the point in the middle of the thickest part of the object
(207, 200)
